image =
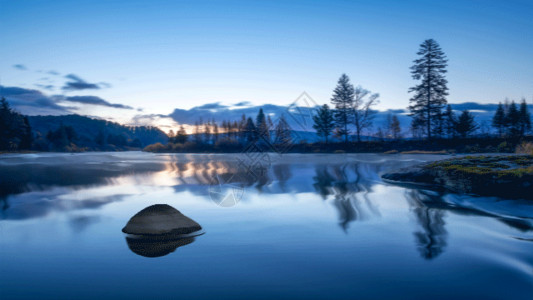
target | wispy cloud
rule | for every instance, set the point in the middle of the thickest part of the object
(33, 102)
(94, 100)
(20, 67)
(212, 106)
(243, 103)
(75, 83)
(48, 87)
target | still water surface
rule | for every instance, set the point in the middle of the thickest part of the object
(308, 226)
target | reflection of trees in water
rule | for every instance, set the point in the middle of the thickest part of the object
(39, 177)
(432, 235)
(429, 209)
(349, 184)
(5, 204)
(194, 176)
(282, 172)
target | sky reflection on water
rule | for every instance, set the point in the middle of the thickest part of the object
(309, 226)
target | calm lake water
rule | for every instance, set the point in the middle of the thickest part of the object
(296, 226)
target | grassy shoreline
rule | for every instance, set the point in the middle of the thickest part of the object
(507, 176)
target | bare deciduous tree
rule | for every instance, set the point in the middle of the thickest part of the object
(362, 111)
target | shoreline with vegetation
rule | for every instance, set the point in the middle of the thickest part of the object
(466, 146)
(508, 176)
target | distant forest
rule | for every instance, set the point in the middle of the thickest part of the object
(70, 133)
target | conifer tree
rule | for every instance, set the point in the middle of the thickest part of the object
(282, 132)
(395, 129)
(324, 122)
(513, 120)
(15, 129)
(181, 135)
(262, 126)
(207, 132)
(430, 94)
(250, 131)
(525, 118)
(343, 99)
(499, 121)
(450, 122)
(171, 135)
(215, 131)
(466, 124)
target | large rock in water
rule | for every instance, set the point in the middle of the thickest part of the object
(160, 219)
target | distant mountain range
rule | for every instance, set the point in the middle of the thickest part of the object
(299, 115)
(299, 118)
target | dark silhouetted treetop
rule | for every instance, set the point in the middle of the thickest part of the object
(15, 129)
(513, 120)
(525, 118)
(430, 94)
(250, 131)
(181, 135)
(450, 122)
(342, 99)
(262, 125)
(499, 121)
(282, 132)
(466, 124)
(324, 122)
(395, 129)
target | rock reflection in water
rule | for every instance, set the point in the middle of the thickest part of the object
(154, 246)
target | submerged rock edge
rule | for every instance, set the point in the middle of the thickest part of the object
(477, 175)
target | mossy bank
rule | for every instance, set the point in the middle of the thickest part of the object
(506, 176)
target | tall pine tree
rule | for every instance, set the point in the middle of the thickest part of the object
(466, 124)
(513, 120)
(282, 132)
(395, 129)
(262, 126)
(430, 94)
(343, 99)
(250, 132)
(324, 122)
(450, 122)
(499, 121)
(525, 118)
(15, 129)
(181, 135)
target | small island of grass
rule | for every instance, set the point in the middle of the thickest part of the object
(507, 176)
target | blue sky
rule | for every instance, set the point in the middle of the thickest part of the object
(162, 55)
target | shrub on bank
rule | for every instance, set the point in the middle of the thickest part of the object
(525, 148)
